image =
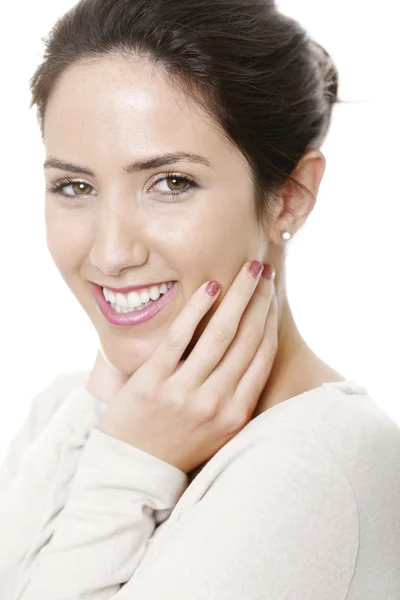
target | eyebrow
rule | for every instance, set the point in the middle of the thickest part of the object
(141, 165)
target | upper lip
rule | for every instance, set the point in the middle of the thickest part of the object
(126, 290)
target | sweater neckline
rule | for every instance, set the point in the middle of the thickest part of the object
(349, 386)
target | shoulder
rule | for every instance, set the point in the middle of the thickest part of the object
(342, 415)
(285, 496)
(328, 445)
(354, 427)
(365, 442)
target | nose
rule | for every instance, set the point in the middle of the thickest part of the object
(118, 242)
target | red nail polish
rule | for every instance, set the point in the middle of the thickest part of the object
(255, 268)
(213, 288)
(269, 272)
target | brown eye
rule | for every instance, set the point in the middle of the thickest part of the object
(174, 180)
(177, 185)
(80, 188)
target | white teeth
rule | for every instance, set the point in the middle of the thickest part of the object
(133, 300)
(145, 296)
(120, 309)
(155, 292)
(121, 300)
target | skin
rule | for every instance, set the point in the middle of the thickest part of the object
(119, 230)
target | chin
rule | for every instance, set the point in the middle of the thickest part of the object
(128, 361)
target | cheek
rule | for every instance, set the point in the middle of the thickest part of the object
(224, 244)
(213, 233)
(67, 238)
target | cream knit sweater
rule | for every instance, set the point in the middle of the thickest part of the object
(303, 504)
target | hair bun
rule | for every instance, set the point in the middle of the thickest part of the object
(330, 75)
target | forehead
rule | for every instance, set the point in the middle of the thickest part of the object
(113, 100)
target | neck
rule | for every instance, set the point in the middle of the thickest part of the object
(296, 368)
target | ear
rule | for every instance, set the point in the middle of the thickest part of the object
(294, 204)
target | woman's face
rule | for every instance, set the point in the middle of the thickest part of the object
(117, 229)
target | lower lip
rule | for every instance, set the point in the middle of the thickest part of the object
(136, 317)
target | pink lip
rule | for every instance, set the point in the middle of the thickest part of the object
(132, 318)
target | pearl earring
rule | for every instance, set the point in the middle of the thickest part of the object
(286, 235)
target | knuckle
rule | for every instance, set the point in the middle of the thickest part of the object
(235, 419)
(150, 393)
(174, 340)
(205, 413)
(223, 335)
(173, 396)
(254, 335)
(174, 404)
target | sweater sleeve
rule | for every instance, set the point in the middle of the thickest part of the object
(117, 496)
(33, 422)
(37, 475)
(41, 409)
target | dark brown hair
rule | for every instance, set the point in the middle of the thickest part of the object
(267, 86)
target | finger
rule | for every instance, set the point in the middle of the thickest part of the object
(252, 384)
(241, 352)
(167, 357)
(220, 331)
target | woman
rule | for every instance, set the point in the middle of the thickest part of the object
(209, 453)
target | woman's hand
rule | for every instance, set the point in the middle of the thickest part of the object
(183, 412)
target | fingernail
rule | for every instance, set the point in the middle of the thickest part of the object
(213, 288)
(255, 268)
(269, 272)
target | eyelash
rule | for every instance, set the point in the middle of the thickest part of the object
(57, 186)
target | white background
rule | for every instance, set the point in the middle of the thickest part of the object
(342, 267)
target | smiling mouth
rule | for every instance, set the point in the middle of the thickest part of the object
(135, 300)
(132, 315)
